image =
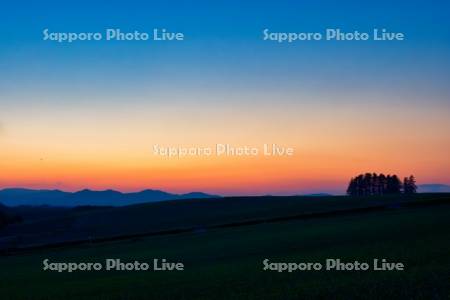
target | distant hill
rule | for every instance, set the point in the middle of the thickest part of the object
(433, 188)
(16, 197)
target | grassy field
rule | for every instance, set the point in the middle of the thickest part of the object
(185, 215)
(227, 263)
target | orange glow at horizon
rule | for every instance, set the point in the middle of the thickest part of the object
(81, 148)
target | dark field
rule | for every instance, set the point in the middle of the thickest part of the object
(226, 262)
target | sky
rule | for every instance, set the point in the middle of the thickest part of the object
(87, 114)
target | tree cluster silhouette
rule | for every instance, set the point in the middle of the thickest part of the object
(373, 184)
(409, 185)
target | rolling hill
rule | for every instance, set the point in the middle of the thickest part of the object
(99, 223)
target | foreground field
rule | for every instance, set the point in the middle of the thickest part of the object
(227, 263)
(46, 226)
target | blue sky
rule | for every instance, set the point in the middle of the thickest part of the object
(223, 40)
(228, 28)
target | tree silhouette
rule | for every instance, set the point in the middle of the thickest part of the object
(409, 185)
(393, 185)
(374, 184)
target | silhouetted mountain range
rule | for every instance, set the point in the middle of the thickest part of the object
(18, 196)
(433, 188)
(86, 197)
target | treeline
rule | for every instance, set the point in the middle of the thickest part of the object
(374, 184)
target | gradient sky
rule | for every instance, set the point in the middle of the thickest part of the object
(87, 114)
